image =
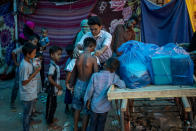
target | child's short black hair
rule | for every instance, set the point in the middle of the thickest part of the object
(21, 41)
(69, 49)
(112, 64)
(88, 42)
(28, 48)
(94, 20)
(43, 30)
(54, 49)
(33, 37)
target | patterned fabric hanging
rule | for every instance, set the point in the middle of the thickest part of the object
(119, 11)
(27, 6)
(6, 41)
(6, 33)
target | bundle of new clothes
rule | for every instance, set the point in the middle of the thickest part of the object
(142, 64)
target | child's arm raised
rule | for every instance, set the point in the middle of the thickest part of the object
(25, 82)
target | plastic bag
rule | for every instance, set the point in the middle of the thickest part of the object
(172, 65)
(133, 69)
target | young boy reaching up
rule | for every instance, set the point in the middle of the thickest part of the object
(96, 93)
(86, 64)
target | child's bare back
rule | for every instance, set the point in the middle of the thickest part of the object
(86, 65)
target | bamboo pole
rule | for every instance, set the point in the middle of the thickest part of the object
(15, 20)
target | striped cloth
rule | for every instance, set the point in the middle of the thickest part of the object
(62, 22)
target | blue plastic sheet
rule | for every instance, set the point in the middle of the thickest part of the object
(165, 24)
(141, 64)
(133, 64)
(172, 65)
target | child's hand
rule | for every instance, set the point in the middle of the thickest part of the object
(59, 87)
(98, 53)
(69, 88)
(88, 105)
(17, 64)
(38, 69)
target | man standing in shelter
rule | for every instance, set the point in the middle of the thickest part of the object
(102, 51)
(123, 33)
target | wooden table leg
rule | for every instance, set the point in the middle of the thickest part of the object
(127, 115)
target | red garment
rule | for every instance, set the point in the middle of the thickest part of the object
(120, 36)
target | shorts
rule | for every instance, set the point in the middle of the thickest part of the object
(79, 92)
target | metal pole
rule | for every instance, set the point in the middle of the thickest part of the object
(15, 20)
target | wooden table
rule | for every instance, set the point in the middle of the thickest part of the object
(153, 92)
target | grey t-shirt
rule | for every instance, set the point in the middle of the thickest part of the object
(29, 91)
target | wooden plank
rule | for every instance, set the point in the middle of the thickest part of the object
(152, 98)
(110, 90)
(186, 104)
(152, 91)
(124, 105)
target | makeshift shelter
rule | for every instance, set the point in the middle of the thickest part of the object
(62, 19)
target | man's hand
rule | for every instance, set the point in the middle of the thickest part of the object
(98, 53)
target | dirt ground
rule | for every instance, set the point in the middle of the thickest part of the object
(12, 121)
(157, 115)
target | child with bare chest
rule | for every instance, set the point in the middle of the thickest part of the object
(86, 65)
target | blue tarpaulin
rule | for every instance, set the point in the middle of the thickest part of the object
(166, 24)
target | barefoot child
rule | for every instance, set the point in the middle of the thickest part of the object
(70, 78)
(27, 83)
(96, 93)
(54, 80)
(86, 64)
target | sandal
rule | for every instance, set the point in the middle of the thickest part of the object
(54, 126)
(13, 107)
(38, 112)
(55, 120)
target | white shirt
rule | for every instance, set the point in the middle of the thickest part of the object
(103, 39)
(29, 91)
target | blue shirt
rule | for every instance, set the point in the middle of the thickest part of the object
(44, 40)
(97, 89)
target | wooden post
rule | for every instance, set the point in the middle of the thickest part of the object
(187, 107)
(123, 109)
